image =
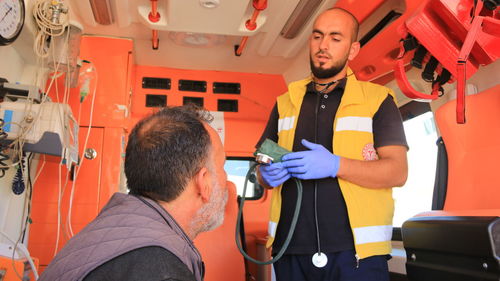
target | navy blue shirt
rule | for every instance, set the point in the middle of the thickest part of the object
(315, 124)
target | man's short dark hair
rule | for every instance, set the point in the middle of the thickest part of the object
(166, 150)
(355, 22)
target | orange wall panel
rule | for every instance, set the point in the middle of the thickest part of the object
(243, 128)
(473, 151)
(241, 136)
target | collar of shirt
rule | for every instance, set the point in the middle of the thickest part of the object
(338, 87)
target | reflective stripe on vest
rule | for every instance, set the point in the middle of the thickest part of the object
(371, 234)
(285, 124)
(353, 123)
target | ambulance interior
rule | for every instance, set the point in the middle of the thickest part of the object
(81, 73)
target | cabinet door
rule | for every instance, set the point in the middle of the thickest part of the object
(111, 58)
(54, 178)
(112, 176)
(109, 86)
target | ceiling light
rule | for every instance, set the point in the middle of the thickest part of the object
(192, 39)
(299, 17)
(209, 4)
(102, 11)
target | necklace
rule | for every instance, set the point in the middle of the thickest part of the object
(329, 84)
(325, 85)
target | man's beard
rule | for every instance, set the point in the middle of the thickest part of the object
(211, 215)
(324, 73)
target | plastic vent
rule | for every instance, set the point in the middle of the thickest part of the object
(193, 100)
(156, 100)
(227, 105)
(226, 88)
(156, 83)
(193, 86)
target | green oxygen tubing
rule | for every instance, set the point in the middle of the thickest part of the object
(268, 152)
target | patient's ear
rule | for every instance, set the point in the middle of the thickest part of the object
(203, 184)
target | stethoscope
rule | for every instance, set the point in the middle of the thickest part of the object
(319, 259)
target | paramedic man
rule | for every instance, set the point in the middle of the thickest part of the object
(347, 206)
(175, 172)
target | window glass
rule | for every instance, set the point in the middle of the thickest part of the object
(236, 170)
(416, 195)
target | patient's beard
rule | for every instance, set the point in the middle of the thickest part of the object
(211, 215)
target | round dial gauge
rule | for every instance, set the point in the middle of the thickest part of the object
(11, 20)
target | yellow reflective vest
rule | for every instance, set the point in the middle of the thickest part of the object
(370, 210)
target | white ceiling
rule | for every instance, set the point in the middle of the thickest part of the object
(222, 27)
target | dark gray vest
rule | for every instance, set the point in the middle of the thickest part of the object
(126, 223)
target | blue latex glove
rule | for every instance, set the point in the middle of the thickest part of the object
(274, 174)
(316, 163)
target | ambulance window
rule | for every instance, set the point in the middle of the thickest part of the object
(236, 169)
(416, 195)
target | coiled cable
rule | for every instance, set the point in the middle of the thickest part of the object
(18, 185)
(3, 156)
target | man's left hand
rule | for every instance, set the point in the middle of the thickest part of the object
(316, 163)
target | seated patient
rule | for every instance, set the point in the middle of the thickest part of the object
(175, 172)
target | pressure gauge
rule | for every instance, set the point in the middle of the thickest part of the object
(11, 20)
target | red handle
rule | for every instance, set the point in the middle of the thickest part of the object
(407, 88)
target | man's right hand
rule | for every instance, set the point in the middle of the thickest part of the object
(274, 174)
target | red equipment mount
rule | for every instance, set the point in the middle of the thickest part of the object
(460, 35)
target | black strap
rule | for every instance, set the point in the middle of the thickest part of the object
(441, 180)
(410, 43)
(430, 67)
(443, 77)
(419, 56)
